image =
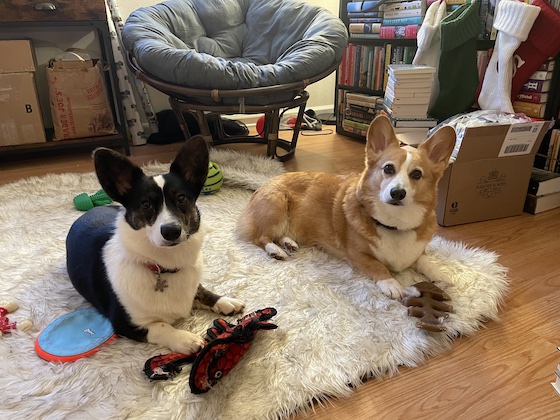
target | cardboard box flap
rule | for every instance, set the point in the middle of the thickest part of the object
(481, 142)
(16, 56)
(500, 141)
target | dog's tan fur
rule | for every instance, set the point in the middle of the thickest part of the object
(349, 215)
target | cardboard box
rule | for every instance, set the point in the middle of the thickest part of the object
(490, 174)
(20, 115)
(16, 56)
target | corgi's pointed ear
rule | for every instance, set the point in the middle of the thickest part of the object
(115, 172)
(191, 163)
(380, 135)
(440, 145)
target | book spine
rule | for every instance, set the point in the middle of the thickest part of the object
(356, 68)
(360, 103)
(353, 130)
(541, 75)
(394, 14)
(397, 55)
(386, 63)
(362, 6)
(483, 12)
(370, 68)
(352, 65)
(342, 69)
(365, 110)
(553, 164)
(547, 66)
(533, 97)
(365, 20)
(364, 28)
(358, 116)
(347, 65)
(408, 54)
(402, 21)
(364, 14)
(364, 66)
(356, 124)
(399, 32)
(535, 86)
(365, 36)
(549, 151)
(529, 109)
(372, 99)
(403, 5)
(405, 100)
(378, 65)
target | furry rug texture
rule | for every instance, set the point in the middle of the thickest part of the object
(335, 327)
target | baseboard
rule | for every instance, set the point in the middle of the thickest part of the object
(251, 119)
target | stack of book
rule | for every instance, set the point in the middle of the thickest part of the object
(359, 110)
(406, 100)
(408, 90)
(533, 97)
(544, 191)
(552, 162)
(364, 18)
(401, 18)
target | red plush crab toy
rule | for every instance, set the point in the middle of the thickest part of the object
(227, 343)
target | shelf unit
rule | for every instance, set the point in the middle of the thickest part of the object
(552, 108)
(20, 17)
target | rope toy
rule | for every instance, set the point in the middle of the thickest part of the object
(227, 344)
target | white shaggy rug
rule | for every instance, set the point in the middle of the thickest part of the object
(335, 328)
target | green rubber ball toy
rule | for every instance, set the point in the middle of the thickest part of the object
(214, 180)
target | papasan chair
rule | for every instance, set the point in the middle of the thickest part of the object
(224, 57)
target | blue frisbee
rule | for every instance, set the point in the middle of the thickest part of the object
(72, 336)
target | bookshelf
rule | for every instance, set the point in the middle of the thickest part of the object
(396, 51)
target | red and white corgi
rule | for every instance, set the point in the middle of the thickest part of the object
(380, 221)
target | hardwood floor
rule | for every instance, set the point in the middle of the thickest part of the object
(502, 372)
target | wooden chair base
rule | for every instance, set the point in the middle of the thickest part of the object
(271, 131)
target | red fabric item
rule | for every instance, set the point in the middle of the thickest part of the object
(543, 42)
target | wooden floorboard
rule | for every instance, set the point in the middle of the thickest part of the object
(501, 372)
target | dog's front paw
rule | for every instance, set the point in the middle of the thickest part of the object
(275, 251)
(187, 342)
(391, 288)
(290, 245)
(228, 306)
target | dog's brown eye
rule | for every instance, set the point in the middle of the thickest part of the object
(181, 198)
(146, 204)
(416, 174)
(389, 169)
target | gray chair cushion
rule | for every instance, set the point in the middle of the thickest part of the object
(234, 44)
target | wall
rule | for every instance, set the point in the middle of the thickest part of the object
(321, 93)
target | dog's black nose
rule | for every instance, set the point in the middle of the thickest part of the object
(398, 194)
(171, 231)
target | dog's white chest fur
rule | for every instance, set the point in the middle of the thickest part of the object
(135, 284)
(397, 250)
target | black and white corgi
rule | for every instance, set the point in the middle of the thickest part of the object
(140, 264)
